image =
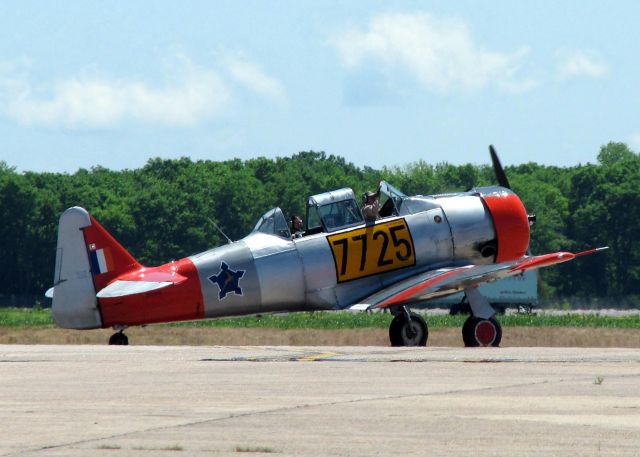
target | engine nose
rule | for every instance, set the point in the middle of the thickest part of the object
(510, 220)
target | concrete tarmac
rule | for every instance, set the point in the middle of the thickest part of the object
(306, 401)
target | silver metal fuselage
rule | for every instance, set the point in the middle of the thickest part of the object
(308, 273)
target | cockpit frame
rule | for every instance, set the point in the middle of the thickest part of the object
(332, 211)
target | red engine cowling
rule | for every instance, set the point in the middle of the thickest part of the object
(510, 220)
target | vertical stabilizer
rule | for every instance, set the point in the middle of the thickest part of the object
(74, 296)
(87, 259)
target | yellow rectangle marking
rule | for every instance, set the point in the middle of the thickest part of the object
(372, 250)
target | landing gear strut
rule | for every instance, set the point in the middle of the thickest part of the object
(481, 328)
(119, 339)
(408, 329)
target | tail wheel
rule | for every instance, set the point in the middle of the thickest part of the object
(481, 332)
(118, 339)
(408, 332)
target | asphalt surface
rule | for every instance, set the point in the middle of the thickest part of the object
(306, 401)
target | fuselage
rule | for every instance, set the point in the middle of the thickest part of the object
(265, 273)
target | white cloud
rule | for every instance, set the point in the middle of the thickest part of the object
(192, 96)
(575, 64)
(439, 52)
(255, 79)
(81, 102)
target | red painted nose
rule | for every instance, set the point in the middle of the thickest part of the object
(511, 223)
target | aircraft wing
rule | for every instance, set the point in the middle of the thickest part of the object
(139, 283)
(446, 281)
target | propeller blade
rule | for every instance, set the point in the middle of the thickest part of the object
(497, 168)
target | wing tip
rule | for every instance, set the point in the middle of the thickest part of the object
(591, 251)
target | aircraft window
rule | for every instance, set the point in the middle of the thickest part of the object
(387, 207)
(391, 190)
(412, 205)
(314, 224)
(340, 214)
(332, 211)
(273, 223)
(390, 200)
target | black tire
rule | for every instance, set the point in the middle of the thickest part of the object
(119, 339)
(481, 332)
(408, 333)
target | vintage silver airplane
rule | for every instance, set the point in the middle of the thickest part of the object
(419, 248)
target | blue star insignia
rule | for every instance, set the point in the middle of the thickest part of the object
(227, 280)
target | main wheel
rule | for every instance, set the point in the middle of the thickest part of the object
(481, 332)
(118, 339)
(404, 332)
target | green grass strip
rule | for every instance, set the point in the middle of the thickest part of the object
(347, 320)
(25, 317)
(13, 317)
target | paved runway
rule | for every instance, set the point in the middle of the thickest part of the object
(305, 401)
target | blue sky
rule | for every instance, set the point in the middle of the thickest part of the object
(377, 82)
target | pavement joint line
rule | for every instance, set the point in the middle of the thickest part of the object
(307, 406)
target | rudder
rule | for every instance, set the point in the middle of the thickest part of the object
(87, 259)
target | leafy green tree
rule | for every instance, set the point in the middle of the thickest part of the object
(17, 214)
(605, 211)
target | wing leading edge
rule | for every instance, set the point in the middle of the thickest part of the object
(446, 281)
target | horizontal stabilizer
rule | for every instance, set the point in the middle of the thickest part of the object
(359, 307)
(141, 281)
(122, 288)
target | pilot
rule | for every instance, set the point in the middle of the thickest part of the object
(371, 206)
(296, 226)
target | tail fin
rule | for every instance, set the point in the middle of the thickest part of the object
(87, 259)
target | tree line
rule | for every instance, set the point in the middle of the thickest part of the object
(168, 209)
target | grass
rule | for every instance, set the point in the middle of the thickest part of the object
(347, 320)
(21, 318)
(25, 317)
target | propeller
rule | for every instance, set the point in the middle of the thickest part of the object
(497, 168)
(501, 176)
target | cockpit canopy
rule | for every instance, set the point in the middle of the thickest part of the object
(339, 209)
(395, 203)
(331, 211)
(273, 223)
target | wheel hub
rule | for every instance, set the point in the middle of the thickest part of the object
(412, 333)
(485, 333)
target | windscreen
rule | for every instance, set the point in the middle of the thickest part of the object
(340, 214)
(273, 222)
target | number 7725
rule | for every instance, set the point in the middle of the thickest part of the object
(371, 250)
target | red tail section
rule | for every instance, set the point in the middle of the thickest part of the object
(97, 283)
(107, 258)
